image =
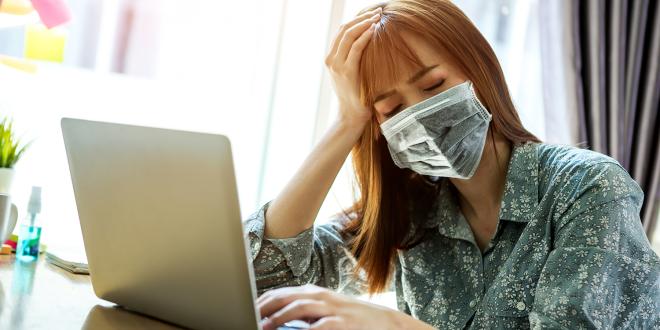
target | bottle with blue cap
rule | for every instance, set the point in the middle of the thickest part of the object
(30, 233)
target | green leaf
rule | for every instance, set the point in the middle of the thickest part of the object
(10, 147)
(20, 152)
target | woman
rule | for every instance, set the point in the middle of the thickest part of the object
(464, 213)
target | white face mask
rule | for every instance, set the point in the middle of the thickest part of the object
(443, 135)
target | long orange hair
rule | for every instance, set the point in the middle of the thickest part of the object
(383, 220)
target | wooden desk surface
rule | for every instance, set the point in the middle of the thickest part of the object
(43, 296)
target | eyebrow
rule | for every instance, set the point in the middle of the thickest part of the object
(412, 79)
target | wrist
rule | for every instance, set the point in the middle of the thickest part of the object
(351, 126)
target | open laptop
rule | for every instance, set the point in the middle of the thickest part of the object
(161, 223)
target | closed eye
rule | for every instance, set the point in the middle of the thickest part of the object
(394, 111)
(434, 86)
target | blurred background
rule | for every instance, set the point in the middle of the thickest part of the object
(252, 70)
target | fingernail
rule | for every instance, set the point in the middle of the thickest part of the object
(267, 324)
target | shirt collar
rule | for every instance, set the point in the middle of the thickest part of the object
(518, 203)
(521, 191)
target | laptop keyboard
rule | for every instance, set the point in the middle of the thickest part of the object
(294, 325)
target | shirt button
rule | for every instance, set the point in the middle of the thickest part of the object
(473, 303)
(520, 306)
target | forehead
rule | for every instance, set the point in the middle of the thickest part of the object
(394, 57)
(427, 53)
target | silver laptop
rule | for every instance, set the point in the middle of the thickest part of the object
(161, 224)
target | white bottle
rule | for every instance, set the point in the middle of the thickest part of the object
(30, 233)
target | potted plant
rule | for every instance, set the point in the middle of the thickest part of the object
(10, 153)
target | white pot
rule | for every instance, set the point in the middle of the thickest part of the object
(6, 180)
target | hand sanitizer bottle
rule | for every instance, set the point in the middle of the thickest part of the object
(30, 233)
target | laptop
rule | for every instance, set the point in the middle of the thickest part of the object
(161, 224)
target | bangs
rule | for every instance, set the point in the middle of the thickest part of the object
(386, 60)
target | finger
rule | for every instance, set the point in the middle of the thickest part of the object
(278, 291)
(327, 323)
(277, 302)
(300, 309)
(266, 295)
(340, 34)
(351, 35)
(273, 303)
(355, 53)
(344, 27)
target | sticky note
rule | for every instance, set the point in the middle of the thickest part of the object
(16, 7)
(12, 241)
(44, 44)
(5, 249)
(52, 12)
(18, 64)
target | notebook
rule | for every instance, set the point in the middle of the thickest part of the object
(70, 260)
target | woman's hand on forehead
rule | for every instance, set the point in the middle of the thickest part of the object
(343, 61)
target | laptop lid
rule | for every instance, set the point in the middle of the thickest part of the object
(161, 223)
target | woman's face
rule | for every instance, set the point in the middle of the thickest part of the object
(437, 75)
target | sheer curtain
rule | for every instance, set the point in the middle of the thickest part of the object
(248, 69)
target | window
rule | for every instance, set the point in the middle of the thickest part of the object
(252, 70)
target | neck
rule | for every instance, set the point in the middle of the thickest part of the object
(481, 195)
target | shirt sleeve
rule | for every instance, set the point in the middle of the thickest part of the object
(602, 271)
(319, 255)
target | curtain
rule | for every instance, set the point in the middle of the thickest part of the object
(606, 54)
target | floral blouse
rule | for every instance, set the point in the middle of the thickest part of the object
(569, 252)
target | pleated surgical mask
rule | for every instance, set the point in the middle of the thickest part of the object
(443, 135)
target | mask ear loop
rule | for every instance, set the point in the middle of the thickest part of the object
(488, 116)
(485, 114)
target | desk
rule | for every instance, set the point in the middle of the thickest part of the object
(42, 296)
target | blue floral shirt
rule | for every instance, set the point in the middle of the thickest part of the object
(569, 252)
